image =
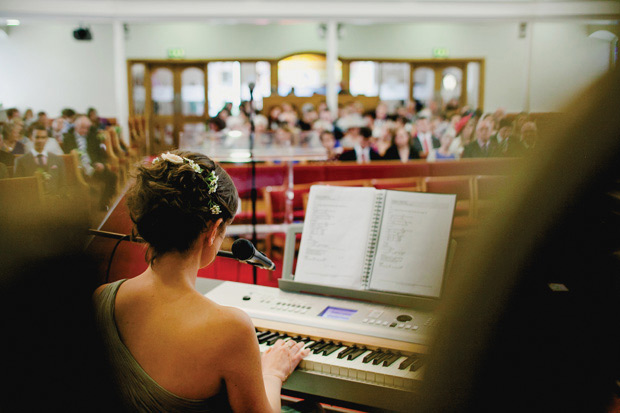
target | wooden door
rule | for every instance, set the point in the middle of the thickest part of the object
(178, 104)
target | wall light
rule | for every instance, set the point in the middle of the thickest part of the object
(12, 22)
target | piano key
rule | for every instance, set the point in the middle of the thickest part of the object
(267, 337)
(379, 359)
(262, 334)
(328, 351)
(356, 353)
(373, 354)
(273, 340)
(417, 363)
(346, 351)
(408, 362)
(312, 345)
(390, 360)
(320, 347)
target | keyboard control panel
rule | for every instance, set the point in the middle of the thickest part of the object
(268, 303)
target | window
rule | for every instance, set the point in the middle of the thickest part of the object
(394, 81)
(193, 91)
(423, 84)
(137, 88)
(224, 86)
(451, 78)
(258, 73)
(162, 92)
(364, 78)
(304, 75)
(230, 82)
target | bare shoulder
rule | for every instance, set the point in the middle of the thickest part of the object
(229, 322)
(99, 290)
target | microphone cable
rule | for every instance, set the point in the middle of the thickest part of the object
(123, 238)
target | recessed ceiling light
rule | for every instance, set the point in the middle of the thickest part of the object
(12, 22)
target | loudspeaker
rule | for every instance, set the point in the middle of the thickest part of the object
(82, 33)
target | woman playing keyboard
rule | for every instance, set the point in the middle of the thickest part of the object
(171, 348)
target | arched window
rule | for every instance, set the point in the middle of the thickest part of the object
(451, 80)
(304, 75)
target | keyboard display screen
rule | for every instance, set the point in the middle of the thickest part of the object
(337, 313)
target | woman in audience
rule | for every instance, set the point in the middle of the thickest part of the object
(28, 117)
(171, 348)
(464, 136)
(385, 140)
(443, 152)
(273, 117)
(12, 139)
(401, 147)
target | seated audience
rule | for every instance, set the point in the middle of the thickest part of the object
(40, 159)
(11, 142)
(401, 147)
(68, 116)
(483, 146)
(444, 152)
(28, 117)
(328, 141)
(92, 157)
(424, 140)
(51, 146)
(529, 135)
(361, 152)
(12, 114)
(465, 133)
(384, 139)
(97, 122)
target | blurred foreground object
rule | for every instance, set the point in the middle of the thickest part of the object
(51, 356)
(531, 321)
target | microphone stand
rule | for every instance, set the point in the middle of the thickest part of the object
(253, 191)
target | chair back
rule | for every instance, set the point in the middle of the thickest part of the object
(461, 186)
(275, 202)
(20, 194)
(405, 184)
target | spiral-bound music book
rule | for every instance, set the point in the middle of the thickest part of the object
(369, 239)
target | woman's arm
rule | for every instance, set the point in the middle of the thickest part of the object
(254, 384)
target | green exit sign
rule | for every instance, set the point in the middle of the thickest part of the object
(176, 53)
(440, 52)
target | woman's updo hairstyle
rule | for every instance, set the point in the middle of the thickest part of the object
(171, 203)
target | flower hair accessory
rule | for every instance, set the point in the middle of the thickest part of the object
(211, 179)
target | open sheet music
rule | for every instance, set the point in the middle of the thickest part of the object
(364, 238)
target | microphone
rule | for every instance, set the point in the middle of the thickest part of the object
(243, 250)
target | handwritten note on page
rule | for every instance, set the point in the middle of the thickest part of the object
(413, 242)
(335, 236)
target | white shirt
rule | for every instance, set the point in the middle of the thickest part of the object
(51, 146)
(359, 151)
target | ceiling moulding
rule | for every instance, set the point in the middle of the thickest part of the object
(140, 10)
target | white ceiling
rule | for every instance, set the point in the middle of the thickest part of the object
(351, 11)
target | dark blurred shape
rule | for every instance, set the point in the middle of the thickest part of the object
(531, 322)
(82, 33)
(51, 355)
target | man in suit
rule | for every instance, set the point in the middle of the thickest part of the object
(39, 159)
(483, 146)
(424, 141)
(92, 157)
(361, 152)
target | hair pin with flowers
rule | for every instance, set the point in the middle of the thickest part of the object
(210, 179)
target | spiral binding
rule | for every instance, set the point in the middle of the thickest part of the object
(373, 238)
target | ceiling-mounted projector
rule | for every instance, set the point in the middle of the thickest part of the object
(82, 33)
